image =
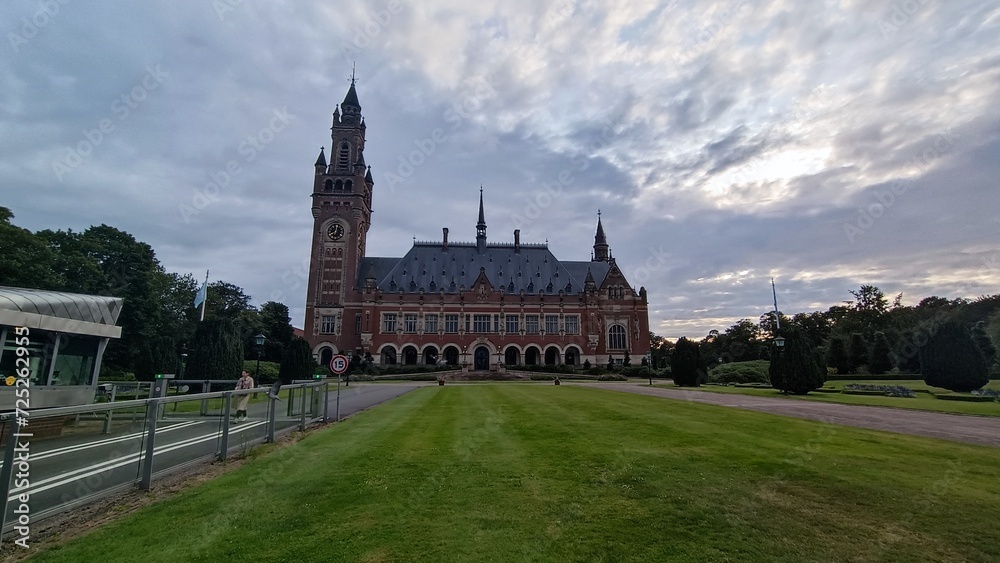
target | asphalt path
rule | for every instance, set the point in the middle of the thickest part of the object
(982, 430)
(76, 465)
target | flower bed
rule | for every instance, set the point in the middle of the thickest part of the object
(886, 390)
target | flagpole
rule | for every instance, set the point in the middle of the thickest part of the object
(777, 319)
(206, 297)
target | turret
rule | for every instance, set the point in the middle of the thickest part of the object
(601, 253)
(481, 225)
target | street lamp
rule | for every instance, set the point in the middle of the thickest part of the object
(779, 343)
(259, 340)
(347, 374)
(184, 356)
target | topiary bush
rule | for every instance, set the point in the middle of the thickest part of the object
(951, 359)
(754, 371)
(687, 365)
(794, 370)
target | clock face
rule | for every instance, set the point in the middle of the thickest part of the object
(335, 231)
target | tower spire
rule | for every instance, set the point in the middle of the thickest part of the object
(481, 225)
(600, 242)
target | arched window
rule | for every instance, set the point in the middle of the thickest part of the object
(388, 356)
(349, 186)
(616, 337)
(328, 186)
(339, 186)
(409, 355)
(344, 157)
(430, 355)
(511, 357)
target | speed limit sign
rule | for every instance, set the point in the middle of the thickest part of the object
(338, 364)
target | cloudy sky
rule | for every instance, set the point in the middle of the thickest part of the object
(826, 144)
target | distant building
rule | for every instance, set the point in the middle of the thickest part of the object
(478, 304)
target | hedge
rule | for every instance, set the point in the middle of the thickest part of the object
(967, 398)
(754, 371)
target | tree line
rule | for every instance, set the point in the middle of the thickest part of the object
(159, 321)
(950, 341)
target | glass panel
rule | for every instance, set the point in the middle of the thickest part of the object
(37, 347)
(74, 457)
(75, 360)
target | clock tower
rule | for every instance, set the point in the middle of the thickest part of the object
(341, 210)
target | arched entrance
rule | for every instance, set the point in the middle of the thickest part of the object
(572, 356)
(531, 356)
(325, 355)
(409, 355)
(482, 358)
(430, 355)
(511, 356)
(388, 356)
(451, 356)
(551, 356)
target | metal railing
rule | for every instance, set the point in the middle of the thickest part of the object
(57, 458)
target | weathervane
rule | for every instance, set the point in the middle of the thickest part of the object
(354, 64)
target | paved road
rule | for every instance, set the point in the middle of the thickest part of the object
(983, 430)
(79, 464)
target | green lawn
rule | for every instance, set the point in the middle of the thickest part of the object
(569, 473)
(923, 401)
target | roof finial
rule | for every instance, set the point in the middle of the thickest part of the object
(354, 64)
(598, 213)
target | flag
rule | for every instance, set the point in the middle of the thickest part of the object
(200, 297)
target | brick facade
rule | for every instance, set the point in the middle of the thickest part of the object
(481, 304)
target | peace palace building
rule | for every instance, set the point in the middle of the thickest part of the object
(481, 305)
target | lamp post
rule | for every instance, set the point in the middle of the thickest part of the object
(259, 340)
(184, 356)
(347, 374)
(779, 343)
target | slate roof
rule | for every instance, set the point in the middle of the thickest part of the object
(430, 267)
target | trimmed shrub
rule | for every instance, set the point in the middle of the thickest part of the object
(635, 371)
(952, 360)
(754, 371)
(857, 352)
(268, 371)
(687, 365)
(296, 361)
(836, 356)
(794, 370)
(966, 398)
(880, 361)
(612, 377)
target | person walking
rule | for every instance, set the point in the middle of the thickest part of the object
(244, 382)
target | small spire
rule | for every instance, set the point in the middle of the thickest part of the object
(481, 225)
(321, 159)
(368, 176)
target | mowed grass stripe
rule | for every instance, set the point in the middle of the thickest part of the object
(546, 473)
